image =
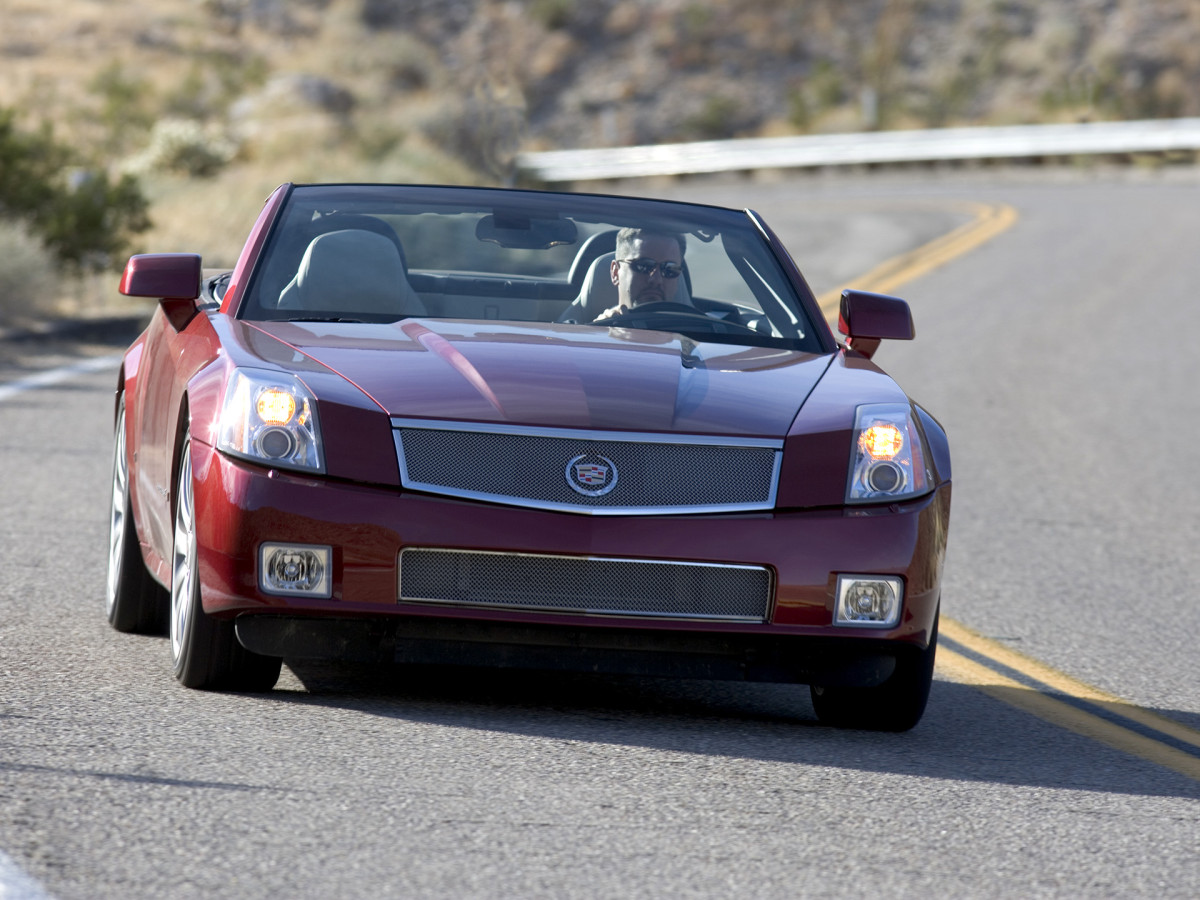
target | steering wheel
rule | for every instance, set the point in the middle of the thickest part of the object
(662, 315)
(668, 307)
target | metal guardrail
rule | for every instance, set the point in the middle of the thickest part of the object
(938, 145)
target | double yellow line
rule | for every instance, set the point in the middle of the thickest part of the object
(1078, 707)
(998, 671)
(986, 222)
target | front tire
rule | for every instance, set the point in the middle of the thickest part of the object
(205, 652)
(134, 602)
(895, 705)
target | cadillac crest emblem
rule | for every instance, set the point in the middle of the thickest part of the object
(591, 474)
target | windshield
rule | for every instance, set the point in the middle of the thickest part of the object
(377, 253)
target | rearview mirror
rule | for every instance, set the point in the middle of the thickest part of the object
(518, 231)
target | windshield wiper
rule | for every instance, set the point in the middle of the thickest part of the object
(323, 319)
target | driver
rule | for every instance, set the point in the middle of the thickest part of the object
(646, 268)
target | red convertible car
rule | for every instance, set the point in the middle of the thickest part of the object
(512, 428)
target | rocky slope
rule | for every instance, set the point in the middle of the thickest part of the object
(216, 101)
(480, 78)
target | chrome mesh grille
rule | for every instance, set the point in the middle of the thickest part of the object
(628, 476)
(586, 584)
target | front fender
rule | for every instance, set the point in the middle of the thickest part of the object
(939, 443)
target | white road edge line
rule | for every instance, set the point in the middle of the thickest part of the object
(55, 376)
(16, 885)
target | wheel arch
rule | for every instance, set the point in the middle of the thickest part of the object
(182, 430)
(118, 393)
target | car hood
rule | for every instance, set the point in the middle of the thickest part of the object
(560, 376)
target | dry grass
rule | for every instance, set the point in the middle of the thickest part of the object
(446, 91)
(29, 288)
(54, 51)
(53, 55)
(212, 219)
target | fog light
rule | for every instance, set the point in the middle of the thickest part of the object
(868, 600)
(294, 569)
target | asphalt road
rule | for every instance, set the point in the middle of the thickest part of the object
(1060, 357)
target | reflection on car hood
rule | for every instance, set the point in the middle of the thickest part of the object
(563, 376)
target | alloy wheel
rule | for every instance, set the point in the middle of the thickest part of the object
(183, 563)
(116, 525)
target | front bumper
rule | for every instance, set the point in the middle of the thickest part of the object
(241, 506)
(620, 651)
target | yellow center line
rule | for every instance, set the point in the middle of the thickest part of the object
(1064, 683)
(987, 222)
(966, 671)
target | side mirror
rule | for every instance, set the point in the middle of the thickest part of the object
(162, 275)
(172, 278)
(867, 318)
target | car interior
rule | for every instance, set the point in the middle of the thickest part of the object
(381, 266)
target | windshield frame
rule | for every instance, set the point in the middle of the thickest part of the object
(700, 221)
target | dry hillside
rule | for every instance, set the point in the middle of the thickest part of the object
(213, 102)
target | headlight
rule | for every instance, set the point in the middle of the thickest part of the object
(888, 459)
(271, 418)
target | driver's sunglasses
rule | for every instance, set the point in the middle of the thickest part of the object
(644, 266)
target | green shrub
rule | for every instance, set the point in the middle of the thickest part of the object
(88, 226)
(83, 218)
(213, 82)
(29, 164)
(125, 106)
(552, 14)
(717, 119)
(821, 91)
(184, 147)
(481, 131)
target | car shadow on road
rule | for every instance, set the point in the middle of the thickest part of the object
(965, 734)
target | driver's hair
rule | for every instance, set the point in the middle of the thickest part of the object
(626, 237)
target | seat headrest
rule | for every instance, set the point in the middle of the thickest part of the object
(353, 271)
(598, 293)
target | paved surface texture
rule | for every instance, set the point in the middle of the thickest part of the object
(1058, 356)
